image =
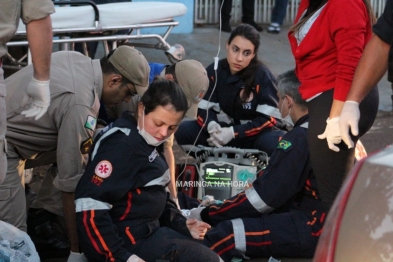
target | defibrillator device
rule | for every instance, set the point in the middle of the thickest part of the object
(224, 179)
(222, 172)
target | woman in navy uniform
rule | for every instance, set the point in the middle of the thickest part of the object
(243, 91)
(123, 210)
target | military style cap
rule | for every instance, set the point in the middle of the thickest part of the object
(132, 64)
(192, 77)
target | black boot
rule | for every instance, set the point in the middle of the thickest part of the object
(47, 235)
(255, 25)
(226, 27)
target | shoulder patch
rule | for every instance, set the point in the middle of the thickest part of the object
(103, 169)
(86, 145)
(284, 144)
(91, 123)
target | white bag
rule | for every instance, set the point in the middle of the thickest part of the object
(16, 245)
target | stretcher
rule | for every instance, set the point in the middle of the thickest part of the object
(84, 21)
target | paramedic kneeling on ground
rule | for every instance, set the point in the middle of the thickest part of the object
(244, 89)
(123, 210)
(281, 215)
(64, 133)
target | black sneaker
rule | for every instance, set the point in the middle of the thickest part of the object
(273, 28)
(257, 27)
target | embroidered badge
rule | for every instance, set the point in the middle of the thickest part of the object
(103, 169)
(284, 144)
(153, 155)
(91, 123)
(86, 145)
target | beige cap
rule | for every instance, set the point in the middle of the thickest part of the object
(192, 77)
(133, 65)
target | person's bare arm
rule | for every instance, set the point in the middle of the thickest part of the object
(39, 36)
(371, 68)
(170, 159)
(70, 220)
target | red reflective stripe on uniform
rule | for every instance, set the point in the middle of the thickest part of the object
(100, 238)
(256, 244)
(200, 121)
(231, 204)
(129, 200)
(257, 233)
(317, 233)
(257, 130)
(138, 191)
(130, 236)
(212, 78)
(87, 228)
(107, 252)
(257, 89)
(310, 223)
(221, 241)
(322, 218)
(226, 249)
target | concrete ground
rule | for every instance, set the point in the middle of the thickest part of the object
(206, 42)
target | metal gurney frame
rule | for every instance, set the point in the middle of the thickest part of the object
(67, 37)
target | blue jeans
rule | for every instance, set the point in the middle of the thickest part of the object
(279, 11)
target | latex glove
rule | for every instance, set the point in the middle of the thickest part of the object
(213, 127)
(349, 118)
(39, 91)
(197, 228)
(76, 257)
(225, 136)
(332, 133)
(195, 213)
(135, 258)
(212, 141)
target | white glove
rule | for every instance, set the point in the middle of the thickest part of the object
(135, 258)
(332, 133)
(77, 257)
(195, 213)
(212, 141)
(39, 91)
(213, 127)
(225, 136)
(349, 118)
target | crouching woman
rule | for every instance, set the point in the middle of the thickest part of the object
(123, 210)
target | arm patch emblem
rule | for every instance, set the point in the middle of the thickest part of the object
(86, 145)
(284, 144)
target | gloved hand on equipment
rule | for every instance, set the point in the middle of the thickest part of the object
(349, 118)
(135, 258)
(39, 91)
(213, 127)
(224, 136)
(332, 133)
(77, 257)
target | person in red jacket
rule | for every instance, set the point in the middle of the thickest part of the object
(327, 40)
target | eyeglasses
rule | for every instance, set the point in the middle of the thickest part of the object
(131, 91)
